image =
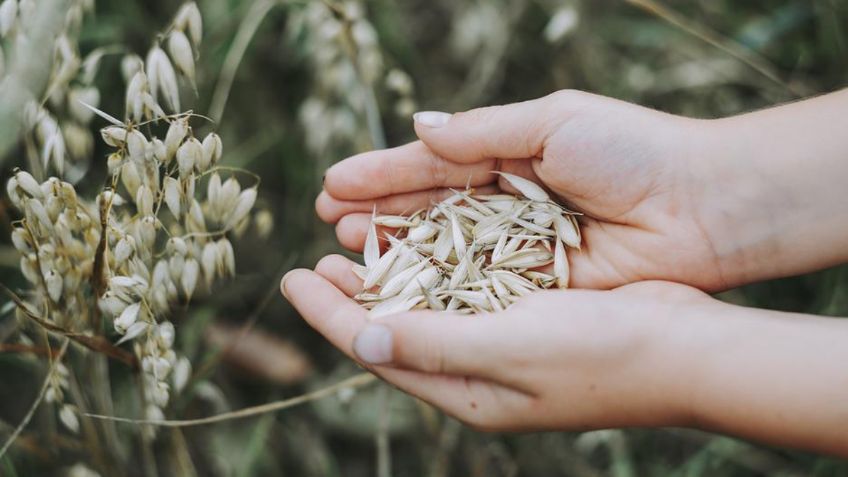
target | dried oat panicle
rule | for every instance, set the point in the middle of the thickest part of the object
(119, 256)
(469, 253)
(346, 56)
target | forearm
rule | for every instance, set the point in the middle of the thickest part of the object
(775, 377)
(776, 194)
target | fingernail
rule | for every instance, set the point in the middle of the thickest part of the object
(283, 284)
(431, 119)
(373, 344)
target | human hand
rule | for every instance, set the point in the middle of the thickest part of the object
(629, 169)
(646, 354)
(554, 360)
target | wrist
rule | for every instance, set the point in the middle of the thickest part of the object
(684, 344)
(654, 381)
(734, 202)
(769, 183)
(765, 375)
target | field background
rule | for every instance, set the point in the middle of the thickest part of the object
(292, 112)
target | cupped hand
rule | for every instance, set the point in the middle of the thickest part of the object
(555, 360)
(634, 172)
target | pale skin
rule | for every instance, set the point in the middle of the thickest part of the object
(707, 204)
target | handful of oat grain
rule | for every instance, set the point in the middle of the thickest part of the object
(469, 253)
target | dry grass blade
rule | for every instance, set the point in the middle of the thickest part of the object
(354, 382)
(94, 343)
(732, 48)
(41, 393)
(248, 27)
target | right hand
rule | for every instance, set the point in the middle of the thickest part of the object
(634, 173)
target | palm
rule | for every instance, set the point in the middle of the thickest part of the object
(640, 222)
(631, 185)
(446, 359)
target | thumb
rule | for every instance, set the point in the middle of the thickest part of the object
(513, 131)
(432, 343)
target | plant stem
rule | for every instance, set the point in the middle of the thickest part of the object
(381, 438)
(44, 386)
(245, 33)
(732, 48)
(356, 381)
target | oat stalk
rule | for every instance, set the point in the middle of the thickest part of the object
(245, 33)
(357, 381)
(715, 39)
(41, 393)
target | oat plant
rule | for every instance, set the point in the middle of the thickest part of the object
(110, 272)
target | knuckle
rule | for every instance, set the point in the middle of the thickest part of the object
(434, 358)
(338, 315)
(438, 170)
(476, 115)
(565, 96)
(391, 173)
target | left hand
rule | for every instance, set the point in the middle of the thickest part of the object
(563, 360)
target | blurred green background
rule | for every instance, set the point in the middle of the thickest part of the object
(297, 105)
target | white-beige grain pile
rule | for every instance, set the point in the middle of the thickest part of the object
(468, 253)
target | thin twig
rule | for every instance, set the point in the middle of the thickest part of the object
(381, 439)
(245, 33)
(445, 445)
(94, 343)
(356, 381)
(92, 441)
(727, 45)
(41, 393)
(373, 119)
(23, 348)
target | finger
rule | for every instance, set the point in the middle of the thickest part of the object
(409, 168)
(326, 308)
(338, 270)
(429, 342)
(338, 318)
(514, 131)
(436, 343)
(592, 266)
(331, 209)
(352, 228)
